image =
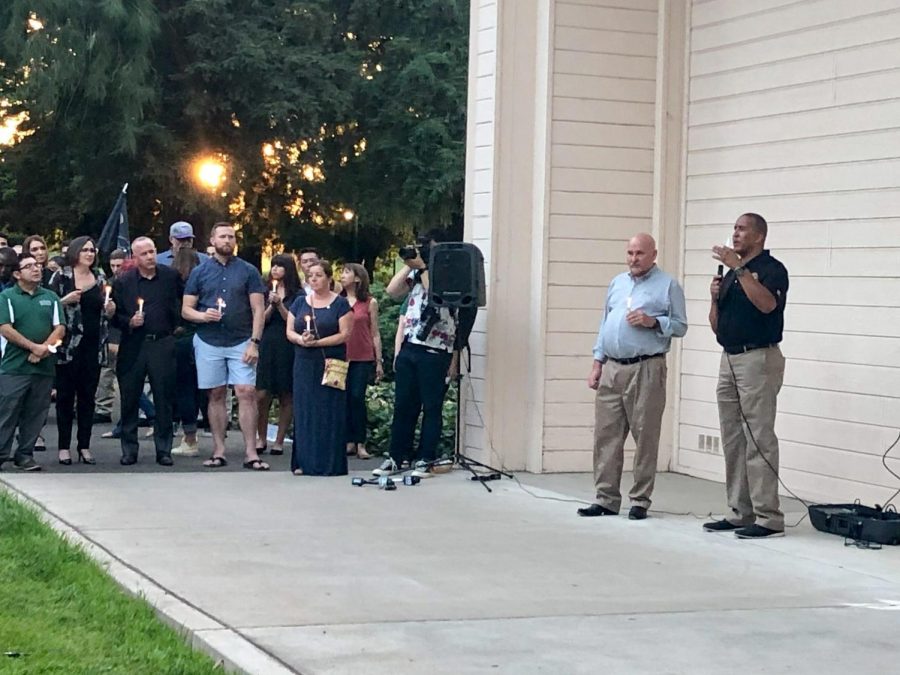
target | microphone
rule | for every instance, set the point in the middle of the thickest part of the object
(385, 482)
(721, 271)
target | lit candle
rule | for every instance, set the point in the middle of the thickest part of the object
(274, 285)
(52, 347)
(108, 293)
(140, 306)
(628, 303)
(307, 317)
(220, 303)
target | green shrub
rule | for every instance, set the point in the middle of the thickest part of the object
(380, 406)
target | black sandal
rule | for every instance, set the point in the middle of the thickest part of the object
(256, 465)
(262, 450)
(215, 462)
(276, 451)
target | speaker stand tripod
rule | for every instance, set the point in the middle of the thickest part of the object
(461, 460)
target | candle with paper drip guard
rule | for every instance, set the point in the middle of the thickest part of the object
(53, 346)
(220, 305)
(274, 285)
(307, 318)
(108, 290)
(140, 306)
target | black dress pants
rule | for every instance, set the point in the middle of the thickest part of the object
(76, 392)
(358, 375)
(138, 359)
(419, 384)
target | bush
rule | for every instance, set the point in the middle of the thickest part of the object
(380, 406)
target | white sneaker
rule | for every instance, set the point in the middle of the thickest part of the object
(387, 467)
(422, 470)
(186, 449)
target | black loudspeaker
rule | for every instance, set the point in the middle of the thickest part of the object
(456, 275)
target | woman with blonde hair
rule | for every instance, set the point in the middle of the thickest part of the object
(319, 325)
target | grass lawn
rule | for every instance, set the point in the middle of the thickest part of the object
(62, 614)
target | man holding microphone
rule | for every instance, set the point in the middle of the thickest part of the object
(747, 315)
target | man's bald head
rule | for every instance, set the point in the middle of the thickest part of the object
(143, 250)
(640, 255)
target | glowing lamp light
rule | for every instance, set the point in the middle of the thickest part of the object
(349, 215)
(210, 173)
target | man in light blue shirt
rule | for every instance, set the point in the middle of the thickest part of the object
(645, 309)
(181, 235)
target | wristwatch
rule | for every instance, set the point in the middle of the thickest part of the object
(739, 271)
(255, 341)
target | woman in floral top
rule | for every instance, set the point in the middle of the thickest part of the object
(81, 287)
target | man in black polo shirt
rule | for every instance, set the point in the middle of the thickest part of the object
(224, 297)
(747, 316)
(32, 323)
(147, 309)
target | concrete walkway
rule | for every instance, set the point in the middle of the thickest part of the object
(276, 573)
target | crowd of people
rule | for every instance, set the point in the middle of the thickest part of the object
(196, 327)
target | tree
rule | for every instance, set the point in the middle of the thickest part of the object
(312, 107)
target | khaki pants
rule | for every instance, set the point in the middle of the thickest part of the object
(749, 384)
(630, 398)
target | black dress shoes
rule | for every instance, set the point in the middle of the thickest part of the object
(596, 510)
(127, 461)
(637, 513)
(164, 460)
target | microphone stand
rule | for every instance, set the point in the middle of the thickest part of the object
(459, 457)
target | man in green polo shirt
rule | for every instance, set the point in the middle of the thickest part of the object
(32, 322)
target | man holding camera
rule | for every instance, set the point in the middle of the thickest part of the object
(422, 366)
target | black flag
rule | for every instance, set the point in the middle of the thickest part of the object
(115, 231)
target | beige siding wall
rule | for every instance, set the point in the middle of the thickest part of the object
(795, 113)
(480, 194)
(601, 186)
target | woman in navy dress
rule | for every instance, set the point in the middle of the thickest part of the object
(319, 325)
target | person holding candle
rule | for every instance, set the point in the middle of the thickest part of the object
(187, 394)
(645, 309)
(31, 319)
(746, 314)
(106, 390)
(319, 324)
(80, 288)
(225, 298)
(274, 375)
(363, 355)
(147, 300)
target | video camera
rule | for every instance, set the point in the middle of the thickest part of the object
(422, 247)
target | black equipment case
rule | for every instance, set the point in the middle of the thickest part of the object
(855, 521)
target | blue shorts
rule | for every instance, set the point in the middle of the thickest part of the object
(218, 366)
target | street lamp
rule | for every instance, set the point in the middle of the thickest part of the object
(210, 173)
(351, 216)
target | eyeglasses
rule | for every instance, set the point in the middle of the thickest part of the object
(30, 265)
